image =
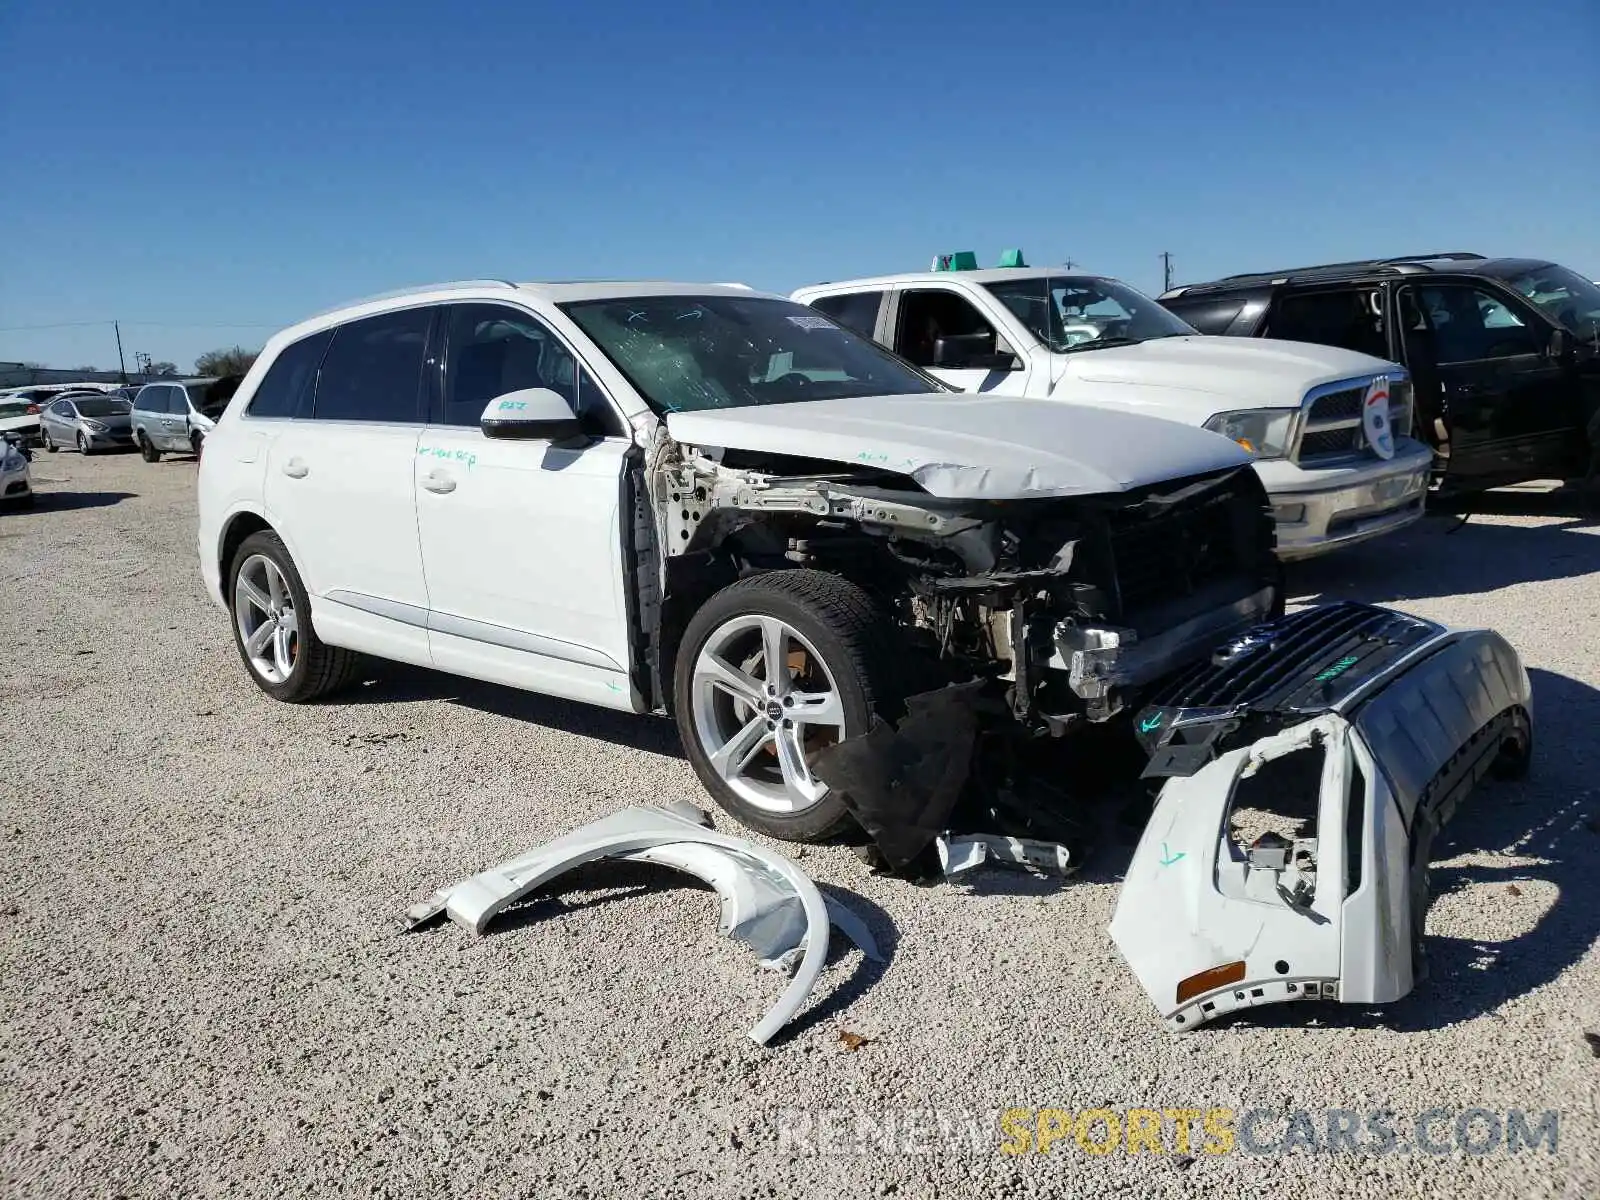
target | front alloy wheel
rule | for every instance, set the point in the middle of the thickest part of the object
(770, 672)
(764, 704)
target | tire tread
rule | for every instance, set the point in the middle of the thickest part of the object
(326, 668)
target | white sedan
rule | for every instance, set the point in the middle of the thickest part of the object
(16, 488)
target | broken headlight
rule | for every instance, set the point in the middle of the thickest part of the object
(1265, 432)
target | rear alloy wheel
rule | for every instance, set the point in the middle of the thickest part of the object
(272, 625)
(147, 448)
(770, 671)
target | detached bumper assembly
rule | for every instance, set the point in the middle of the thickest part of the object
(768, 903)
(1308, 768)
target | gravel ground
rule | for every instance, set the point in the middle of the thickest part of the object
(206, 993)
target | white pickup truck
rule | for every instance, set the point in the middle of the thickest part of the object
(1328, 429)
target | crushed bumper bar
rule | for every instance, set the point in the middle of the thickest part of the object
(1363, 730)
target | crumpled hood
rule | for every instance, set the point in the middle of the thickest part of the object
(1250, 372)
(970, 446)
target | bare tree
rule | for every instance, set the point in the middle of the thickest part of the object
(234, 361)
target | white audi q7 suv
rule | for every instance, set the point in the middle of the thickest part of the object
(715, 503)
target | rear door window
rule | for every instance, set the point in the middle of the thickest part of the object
(373, 369)
(1344, 317)
(1209, 315)
(290, 378)
(853, 310)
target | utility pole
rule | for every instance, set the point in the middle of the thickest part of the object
(1070, 265)
(1166, 270)
(122, 366)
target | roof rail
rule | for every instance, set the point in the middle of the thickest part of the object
(447, 286)
(1330, 272)
(1447, 256)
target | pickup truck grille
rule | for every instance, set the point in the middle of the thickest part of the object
(1332, 428)
(1176, 553)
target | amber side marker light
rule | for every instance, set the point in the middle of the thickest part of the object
(1209, 980)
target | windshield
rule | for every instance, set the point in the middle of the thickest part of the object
(1565, 296)
(686, 353)
(1082, 312)
(100, 406)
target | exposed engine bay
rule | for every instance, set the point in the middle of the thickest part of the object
(1071, 604)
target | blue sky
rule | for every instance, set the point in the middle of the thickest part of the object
(198, 165)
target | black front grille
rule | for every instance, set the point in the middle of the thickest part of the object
(1303, 662)
(1272, 676)
(1337, 406)
(1172, 554)
(1325, 443)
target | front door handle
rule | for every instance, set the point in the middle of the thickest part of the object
(436, 482)
(296, 469)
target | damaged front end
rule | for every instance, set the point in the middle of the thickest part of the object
(1308, 768)
(1070, 604)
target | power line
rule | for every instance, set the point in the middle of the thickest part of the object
(150, 324)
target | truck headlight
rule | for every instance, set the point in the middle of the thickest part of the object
(1264, 432)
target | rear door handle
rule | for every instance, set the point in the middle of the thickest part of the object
(436, 482)
(295, 469)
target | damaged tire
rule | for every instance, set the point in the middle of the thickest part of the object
(771, 670)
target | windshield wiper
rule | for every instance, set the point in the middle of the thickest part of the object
(1102, 342)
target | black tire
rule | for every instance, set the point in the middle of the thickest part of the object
(854, 640)
(147, 448)
(318, 668)
(83, 445)
(1516, 749)
(46, 442)
(196, 441)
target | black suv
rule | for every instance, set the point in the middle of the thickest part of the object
(1504, 353)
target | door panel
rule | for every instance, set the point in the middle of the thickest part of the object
(171, 417)
(522, 539)
(522, 542)
(341, 486)
(342, 495)
(1481, 363)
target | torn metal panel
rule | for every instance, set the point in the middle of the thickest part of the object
(982, 447)
(768, 903)
(1411, 717)
(960, 853)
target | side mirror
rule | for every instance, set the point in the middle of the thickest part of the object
(529, 413)
(1560, 343)
(971, 351)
